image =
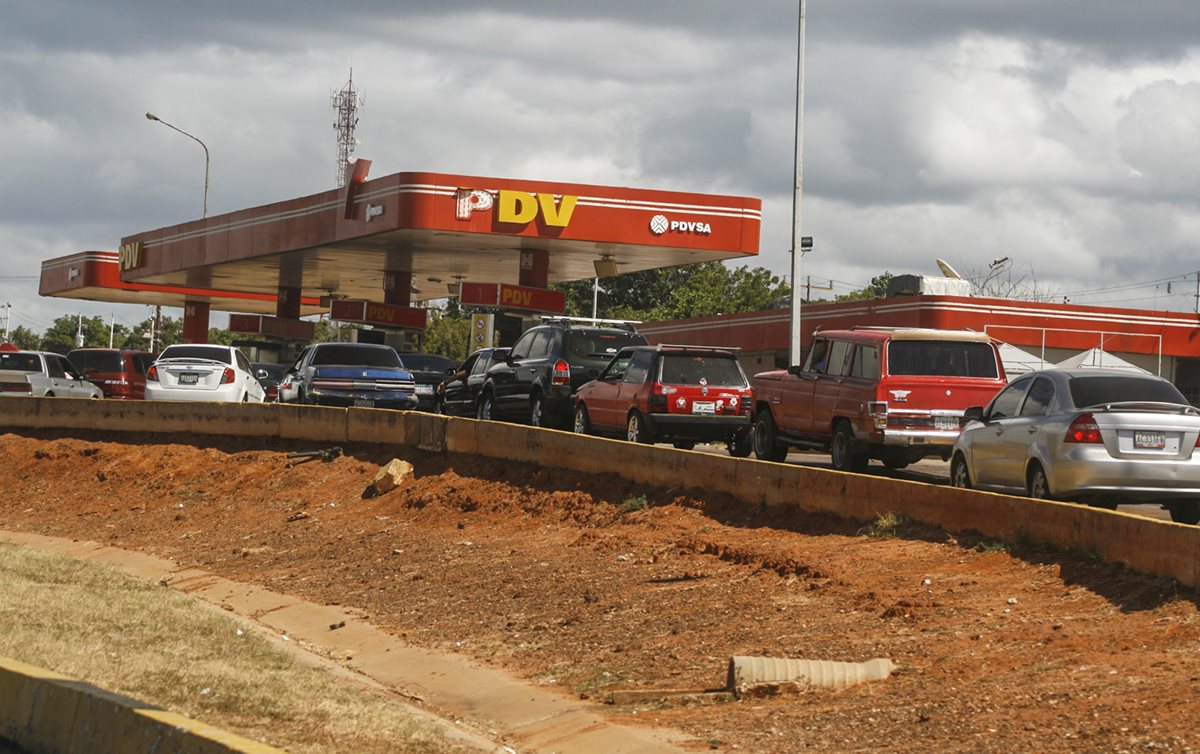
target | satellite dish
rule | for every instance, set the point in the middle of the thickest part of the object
(947, 270)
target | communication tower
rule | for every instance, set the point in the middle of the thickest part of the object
(345, 104)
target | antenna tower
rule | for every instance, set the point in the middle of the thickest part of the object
(345, 104)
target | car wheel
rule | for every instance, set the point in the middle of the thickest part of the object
(959, 476)
(842, 453)
(581, 425)
(245, 397)
(766, 442)
(1036, 484)
(485, 408)
(48, 395)
(741, 445)
(635, 429)
(684, 444)
(537, 411)
(1185, 512)
(895, 458)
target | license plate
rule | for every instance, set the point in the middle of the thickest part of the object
(188, 378)
(704, 407)
(1149, 440)
(945, 422)
(364, 403)
(424, 389)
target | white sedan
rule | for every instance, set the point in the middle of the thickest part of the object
(202, 372)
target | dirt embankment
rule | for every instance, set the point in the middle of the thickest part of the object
(590, 583)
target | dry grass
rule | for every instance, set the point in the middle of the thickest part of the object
(162, 647)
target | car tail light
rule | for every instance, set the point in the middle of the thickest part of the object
(658, 398)
(152, 374)
(561, 374)
(1083, 430)
(228, 376)
(747, 404)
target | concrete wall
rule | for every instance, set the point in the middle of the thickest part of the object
(1154, 547)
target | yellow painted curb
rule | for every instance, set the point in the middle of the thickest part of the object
(41, 710)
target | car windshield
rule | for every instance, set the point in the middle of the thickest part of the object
(943, 358)
(20, 362)
(97, 361)
(702, 369)
(212, 353)
(1095, 390)
(428, 362)
(356, 355)
(600, 344)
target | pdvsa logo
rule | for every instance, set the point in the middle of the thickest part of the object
(130, 256)
(516, 207)
(659, 224)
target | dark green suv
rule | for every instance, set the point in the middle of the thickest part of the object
(545, 367)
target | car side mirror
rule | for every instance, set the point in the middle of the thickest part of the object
(974, 413)
(795, 369)
(261, 374)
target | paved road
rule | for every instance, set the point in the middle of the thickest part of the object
(928, 470)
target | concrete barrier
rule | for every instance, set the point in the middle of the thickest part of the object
(43, 711)
(1154, 547)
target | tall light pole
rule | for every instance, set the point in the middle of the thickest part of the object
(797, 251)
(152, 116)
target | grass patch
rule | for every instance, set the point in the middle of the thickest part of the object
(634, 503)
(885, 526)
(993, 545)
(165, 648)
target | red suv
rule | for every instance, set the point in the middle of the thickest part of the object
(118, 373)
(677, 394)
(896, 395)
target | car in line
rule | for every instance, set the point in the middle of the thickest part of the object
(428, 370)
(269, 375)
(202, 372)
(1094, 436)
(892, 394)
(667, 393)
(43, 374)
(535, 381)
(120, 373)
(365, 375)
(458, 394)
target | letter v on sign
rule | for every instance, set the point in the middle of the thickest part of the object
(560, 215)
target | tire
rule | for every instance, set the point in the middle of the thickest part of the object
(1185, 511)
(959, 475)
(582, 424)
(245, 397)
(486, 409)
(537, 411)
(741, 445)
(1036, 484)
(49, 394)
(684, 444)
(842, 453)
(635, 429)
(766, 441)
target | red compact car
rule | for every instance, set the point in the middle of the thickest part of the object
(119, 373)
(664, 393)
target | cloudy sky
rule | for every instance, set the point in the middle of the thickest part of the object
(1064, 136)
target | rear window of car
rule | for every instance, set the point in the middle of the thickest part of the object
(425, 362)
(1099, 389)
(97, 361)
(212, 353)
(942, 358)
(701, 369)
(20, 362)
(600, 344)
(350, 355)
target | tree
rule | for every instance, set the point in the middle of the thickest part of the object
(448, 334)
(170, 333)
(62, 336)
(220, 336)
(878, 288)
(24, 338)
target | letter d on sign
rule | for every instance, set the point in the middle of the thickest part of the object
(516, 207)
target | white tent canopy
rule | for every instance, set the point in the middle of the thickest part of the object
(1018, 362)
(1097, 357)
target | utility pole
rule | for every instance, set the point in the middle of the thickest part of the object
(797, 252)
(112, 325)
(157, 336)
(7, 314)
(79, 332)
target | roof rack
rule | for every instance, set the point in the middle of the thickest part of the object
(626, 323)
(660, 346)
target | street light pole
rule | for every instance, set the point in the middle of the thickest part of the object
(797, 251)
(152, 116)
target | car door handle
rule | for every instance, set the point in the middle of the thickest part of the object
(1031, 430)
(999, 431)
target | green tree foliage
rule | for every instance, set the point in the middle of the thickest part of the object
(877, 289)
(677, 292)
(220, 336)
(448, 334)
(62, 336)
(24, 338)
(139, 338)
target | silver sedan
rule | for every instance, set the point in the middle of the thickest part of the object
(1095, 436)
